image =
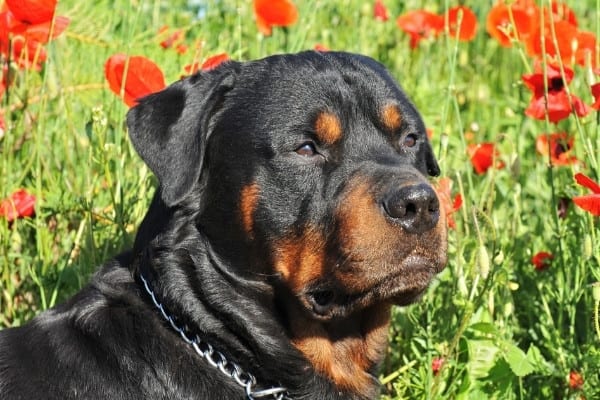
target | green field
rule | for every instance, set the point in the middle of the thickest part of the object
(502, 327)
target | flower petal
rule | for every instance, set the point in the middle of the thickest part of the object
(587, 182)
(32, 11)
(482, 157)
(143, 77)
(20, 204)
(271, 13)
(466, 28)
(214, 61)
(590, 203)
(596, 93)
(541, 260)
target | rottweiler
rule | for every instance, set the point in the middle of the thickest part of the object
(293, 210)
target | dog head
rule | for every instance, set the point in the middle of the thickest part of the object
(307, 171)
(312, 167)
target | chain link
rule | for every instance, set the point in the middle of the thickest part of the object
(217, 360)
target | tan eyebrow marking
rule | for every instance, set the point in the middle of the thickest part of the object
(391, 117)
(328, 127)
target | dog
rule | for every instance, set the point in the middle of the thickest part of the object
(293, 210)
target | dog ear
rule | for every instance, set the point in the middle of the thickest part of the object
(169, 129)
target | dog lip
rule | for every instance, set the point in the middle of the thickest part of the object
(391, 288)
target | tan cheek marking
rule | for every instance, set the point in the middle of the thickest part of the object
(328, 128)
(391, 117)
(301, 259)
(248, 202)
(364, 232)
(346, 360)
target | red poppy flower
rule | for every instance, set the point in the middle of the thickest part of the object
(208, 64)
(559, 104)
(585, 48)
(501, 27)
(321, 47)
(41, 32)
(542, 260)
(575, 380)
(270, 13)
(596, 94)
(450, 206)
(566, 35)
(462, 23)
(214, 61)
(28, 54)
(25, 26)
(562, 12)
(20, 204)
(32, 11)
(181, 48)
(170, 39)
(589, 202)
(420, 24)
(436, 365)
(483, 156)
(143, 77)
(560, 146)
(380, 12)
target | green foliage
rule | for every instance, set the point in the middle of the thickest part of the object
(504, 329)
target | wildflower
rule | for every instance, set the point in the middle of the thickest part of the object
(589, 202)
(585, 48)
(20, 204)
(321, 47)
(208, 64)
(214, 61)
(562, 12)
(25, 26)
(420, 25)
(380, 12)
(436, 365)
(270, 13)
(462, 23)
(32, 11)
(450, 206)
(575, 380)
(143, 77)
(559, 105)
(505, 29)
(181, 48)
(542, 260)
(483, 156)
(596, 94)
(542, 35)
(560, 37)
(170, 39)
(559, 145)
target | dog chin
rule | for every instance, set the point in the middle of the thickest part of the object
(402, 289)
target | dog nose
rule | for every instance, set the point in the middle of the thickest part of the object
(415, 207)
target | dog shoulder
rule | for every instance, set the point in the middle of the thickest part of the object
(67, 350)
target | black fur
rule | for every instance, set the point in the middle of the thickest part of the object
(205, 137)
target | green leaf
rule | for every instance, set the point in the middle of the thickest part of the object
(517, 360)
(484, 327)
(482, 356)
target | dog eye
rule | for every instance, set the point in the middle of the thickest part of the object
(307, 149)
(410, 140)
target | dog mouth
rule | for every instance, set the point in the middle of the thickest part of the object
(331, 299)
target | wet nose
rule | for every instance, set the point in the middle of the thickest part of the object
(415, 207)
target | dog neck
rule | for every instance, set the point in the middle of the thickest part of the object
(347, 351)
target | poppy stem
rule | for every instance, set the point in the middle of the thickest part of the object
(596, 296)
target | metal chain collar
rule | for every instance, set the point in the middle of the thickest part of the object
(217, 360)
